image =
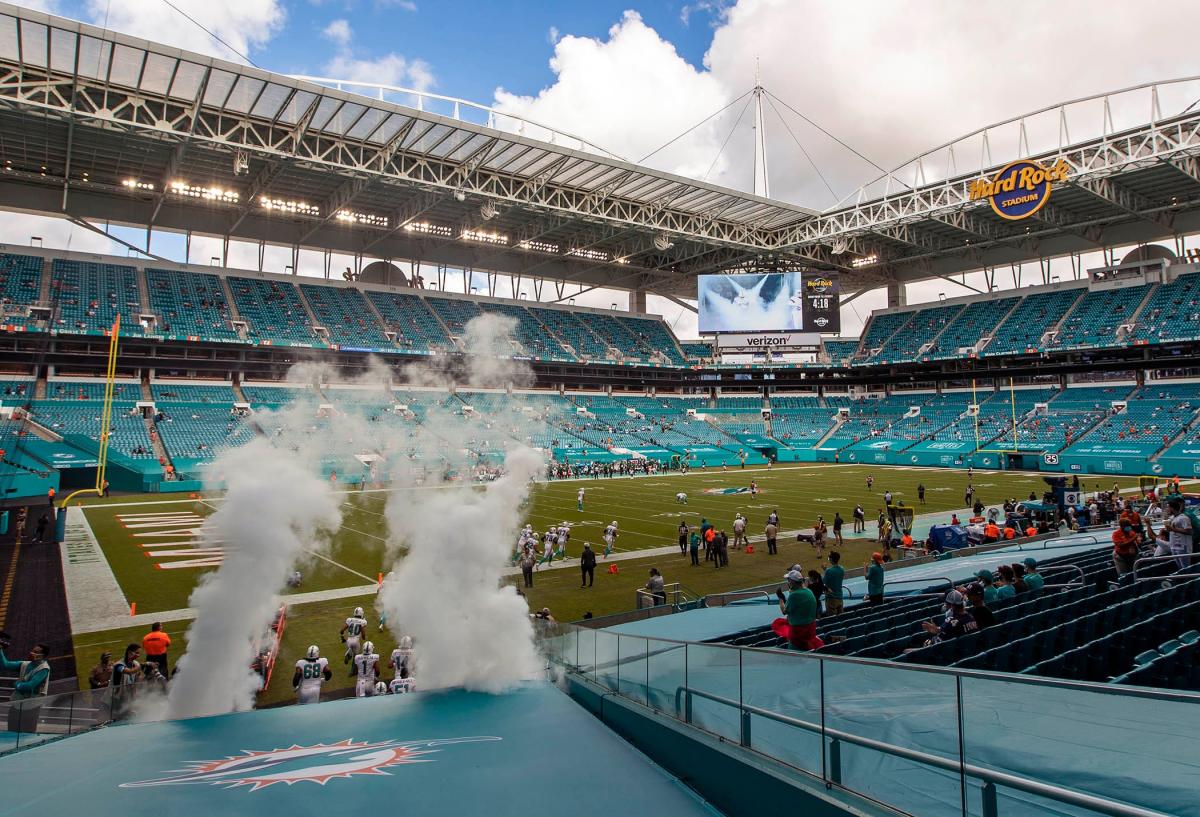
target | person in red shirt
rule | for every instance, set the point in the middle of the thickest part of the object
(1125, 547)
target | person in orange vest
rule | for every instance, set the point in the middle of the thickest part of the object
(50, 496)
(906, 540)
(991, 533)
(1009, 533)
(155, 644)
(1031, 530)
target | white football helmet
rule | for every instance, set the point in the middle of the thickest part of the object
(368, 648)
(313, 653)
(358, 612)
(380, 688)
(614, 523)
(406, 642)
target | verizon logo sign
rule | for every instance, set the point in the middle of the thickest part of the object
(768, 340)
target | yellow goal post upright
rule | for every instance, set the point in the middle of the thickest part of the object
(1012, 402)
(110, 375)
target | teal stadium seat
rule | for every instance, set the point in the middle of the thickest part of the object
(273, 311)
(20, 288)
(190, 305)
(415, 326)
(344, 313)
(1094, 320)
(89, 295)
(1035, 315)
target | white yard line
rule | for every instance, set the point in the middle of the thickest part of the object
(93, 593)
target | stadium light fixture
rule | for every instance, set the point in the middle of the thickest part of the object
(135, 184)
(865, 261)
(484, 237)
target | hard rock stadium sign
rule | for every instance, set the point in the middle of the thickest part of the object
(1020, 189)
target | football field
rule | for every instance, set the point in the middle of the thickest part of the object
(149, 543)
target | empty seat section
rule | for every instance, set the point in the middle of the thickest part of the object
(924, 325)
(91, 390)
(696, 350)
(571, 329)
(199, 431)
(189, 304)
(20, 287)
(653, 336)
(88, 296)
(272, 310)
(214, 393)
(1094, 321)
(880, 327)
(344, 313)
(454, 313)
(128, 430)
(617, 335)
(1030, 319)
(839, 352)
(1172, 313)
(980, 318)
(530, 332)
(413, 322)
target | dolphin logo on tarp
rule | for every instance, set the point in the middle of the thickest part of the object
(318, 763)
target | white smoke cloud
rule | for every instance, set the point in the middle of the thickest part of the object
(275, 508)
(446, 590)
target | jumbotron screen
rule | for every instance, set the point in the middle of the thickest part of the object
(769, 302)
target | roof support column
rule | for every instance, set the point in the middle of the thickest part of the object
(637, 300)
(896, 296)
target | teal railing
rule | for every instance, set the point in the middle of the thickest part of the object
(924, 740)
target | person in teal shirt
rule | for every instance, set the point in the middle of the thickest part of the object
(1005, 589)
(694, 548)
(800, 607)
(875, 579)
(1033, 579)
(989, 590)
(33, 676)
(834, 576)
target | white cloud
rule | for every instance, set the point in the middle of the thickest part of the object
(552, 35)
(339, 32)
(390, 69)
(629, 94)
(891, 79)
(243, 25)
(404, 5)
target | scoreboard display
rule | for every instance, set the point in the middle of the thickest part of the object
(806, 302)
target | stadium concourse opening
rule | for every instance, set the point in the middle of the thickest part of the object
(278, 540)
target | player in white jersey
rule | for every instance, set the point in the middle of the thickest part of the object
(366, 667)
(311, 671)
(579, 500)
(610, 538)
(564, 534)
(681, 498)
(352, 633)
(548, 545)
(404, 658)
(402, 683)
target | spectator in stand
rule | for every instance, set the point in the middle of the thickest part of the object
(986, 586)
(155, 644)
(1005, 584)
(817, 586)
(128, 670)
(979, 610)
(834, 577)
(957, 621)
(1130, 515)
(875, 579)
(1125, 546)
(1018, 570)
(1033, 580)
(1177, 532)
(33, 674)
(800, 607)
(101, 674)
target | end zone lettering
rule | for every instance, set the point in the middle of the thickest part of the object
(1019, 189)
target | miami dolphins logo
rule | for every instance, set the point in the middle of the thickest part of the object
(318, 763)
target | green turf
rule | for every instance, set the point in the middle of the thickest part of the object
(644, 507)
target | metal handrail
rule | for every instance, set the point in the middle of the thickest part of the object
(996, 778)
(927, 580)
(1051, 568)
(1143, 559)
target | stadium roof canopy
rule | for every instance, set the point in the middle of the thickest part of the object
(99, 126)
